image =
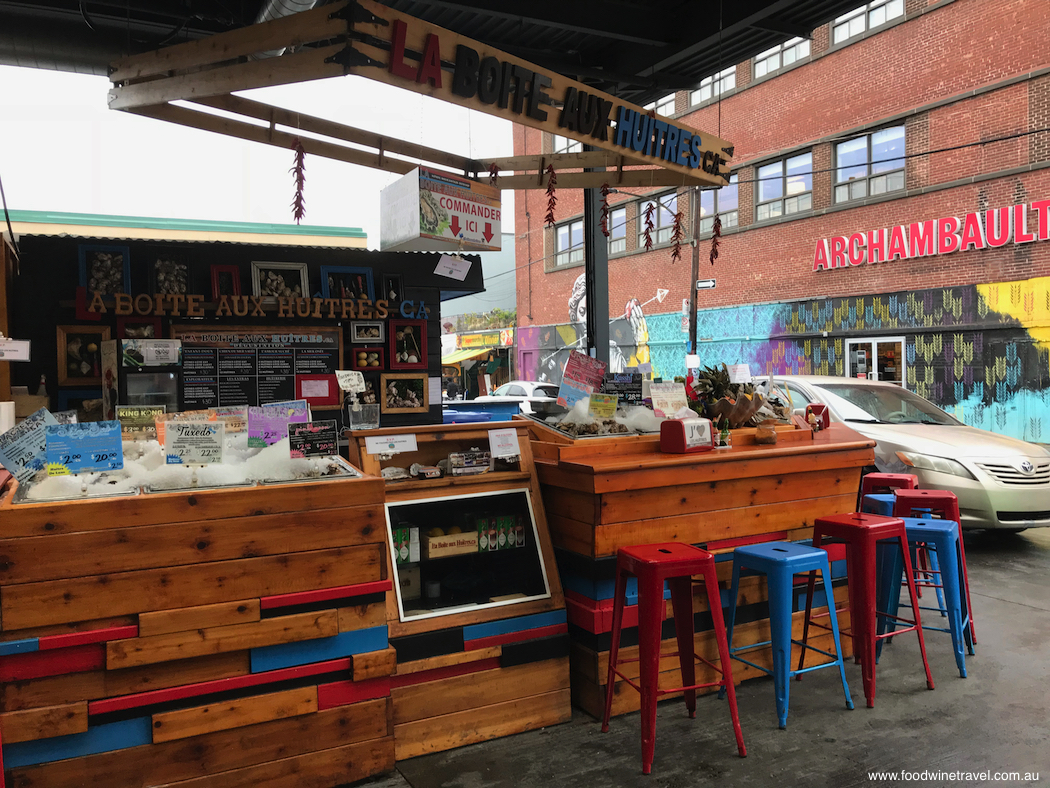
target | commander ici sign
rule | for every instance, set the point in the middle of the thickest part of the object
(978, 230)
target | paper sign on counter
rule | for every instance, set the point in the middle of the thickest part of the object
(603, 406)
(94, 446)
(504, 443)
(390, 444)
(194, 442)
(668, 398)
(139, 422)
(350, 380)
(23, 448)
(582, 376)
(739, 373)
(269, 423)
(313, 439)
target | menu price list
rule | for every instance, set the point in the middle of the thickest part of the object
(221, 377)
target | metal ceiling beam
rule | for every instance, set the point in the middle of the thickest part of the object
(789, 29)
(605, 18)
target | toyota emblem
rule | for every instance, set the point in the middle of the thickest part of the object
(1027, 467)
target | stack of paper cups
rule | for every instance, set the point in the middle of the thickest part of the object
(7, 416)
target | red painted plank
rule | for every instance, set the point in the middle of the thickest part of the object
(91, 636)
(590, 604)
(587, 618)
(37, 664)
(325, 594)
(340, 693)
(446, 672)
(740, 541)
(515, 637)
(218, 685)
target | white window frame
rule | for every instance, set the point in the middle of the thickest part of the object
(774, 58)
(786, 204)
(860, 20)
(661, 232)
(662, 106)
(729, 218)
(566, 145)
(617, 230)
(715, 85)
(870, 180)
(574, 254)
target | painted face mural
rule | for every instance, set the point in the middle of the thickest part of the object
(578, 301)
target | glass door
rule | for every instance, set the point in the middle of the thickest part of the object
(876, 359)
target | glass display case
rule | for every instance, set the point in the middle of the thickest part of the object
(459, 553)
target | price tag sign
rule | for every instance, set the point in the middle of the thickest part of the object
(138, 422)
(697, 433)
(92, 447)
(151, 352)
(313, 439)
(582, 376)
(23, 448)
(627, 386)
(668, 398)
(235, 417)
(350, 380)
(452, 267)
(739, 373)
(390, 444)
(14, 349)
(269, 423)
(194, 442)
(504, 443)
(603, 406)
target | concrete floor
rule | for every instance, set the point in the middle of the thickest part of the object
(997, 719)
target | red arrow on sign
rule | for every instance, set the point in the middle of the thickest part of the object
(487, 235)
(454, 224)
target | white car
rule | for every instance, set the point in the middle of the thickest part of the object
(1002, 483)
(523, 392)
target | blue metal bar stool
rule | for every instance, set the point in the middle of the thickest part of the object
(883, 503)
(941, 538)
(780, 562)
(878, 503)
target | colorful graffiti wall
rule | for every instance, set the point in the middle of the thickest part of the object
(980, 352)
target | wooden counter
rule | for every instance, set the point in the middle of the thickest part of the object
(205, 638)
(604, 493)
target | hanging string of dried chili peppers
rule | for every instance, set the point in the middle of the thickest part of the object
(716, 237)
(677, 234)
(552, 196)
(298, 171)
(650, 209)
(493, 174)
(605, 209)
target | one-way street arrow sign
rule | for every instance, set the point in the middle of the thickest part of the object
(705, 284)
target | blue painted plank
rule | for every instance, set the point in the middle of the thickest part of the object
(19, 646)
(100, 738)
(519, 624)
(305, 652)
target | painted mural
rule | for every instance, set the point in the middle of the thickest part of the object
(980, 352)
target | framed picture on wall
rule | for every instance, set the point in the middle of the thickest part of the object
(367, 359)
(169, 272)
(408, 344)
(393, 289)
(86, 402)
(80, 354)
(370, 396)
(105, 269)
(367, 332)
(138, 328)
(403, 393)
(347, 282)
(287, 280)
(225, 281)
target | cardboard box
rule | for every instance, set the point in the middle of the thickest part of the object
(409, 581)
(450, 544)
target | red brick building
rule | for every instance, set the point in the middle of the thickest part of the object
(857, 129)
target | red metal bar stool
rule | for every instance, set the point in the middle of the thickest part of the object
(862, 533)
(676, 564)
(881, 487)
(945, 504)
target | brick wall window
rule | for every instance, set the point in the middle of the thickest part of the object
(867, 166)
(781, 56)
(714, 85)
(663, 218)
(617, 230)
(663, 106)
(867, 17)
(784, 187)
(568, 243)
(725, 202)
(566, 145)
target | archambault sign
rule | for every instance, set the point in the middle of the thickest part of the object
(498, 83)
(975, 231)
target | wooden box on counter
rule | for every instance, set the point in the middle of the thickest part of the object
(208, 638)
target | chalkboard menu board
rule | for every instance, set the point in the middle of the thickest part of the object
(230, 366)
(627, 386)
